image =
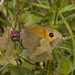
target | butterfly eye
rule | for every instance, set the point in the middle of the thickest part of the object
(51, 35)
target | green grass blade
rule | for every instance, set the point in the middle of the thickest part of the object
(70, 32)
(68, 8)
(68, 17)
(44, 6)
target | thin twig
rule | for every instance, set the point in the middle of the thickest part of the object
(11, 61)
(65, 48)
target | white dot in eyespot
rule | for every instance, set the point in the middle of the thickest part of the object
(51, 35)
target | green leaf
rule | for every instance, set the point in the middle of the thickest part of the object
(67, 8)
(2, 20)
(14, 6)
(68, 17)
(62, 4)
(55, 56)
(43, 6)
(71, 60)
(6, 68)
(21, 71)
(53, 3)
(3, 9)
(63, 66)
(11, 15)
(50, 68)
(15, 71)
(26, 65)
(29, 18)
(25, 71)
(73, 27)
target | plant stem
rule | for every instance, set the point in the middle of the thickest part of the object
(22, 7)
(7, 12)
(17, 9)
(56, 12)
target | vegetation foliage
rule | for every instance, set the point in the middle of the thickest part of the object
(57, 14)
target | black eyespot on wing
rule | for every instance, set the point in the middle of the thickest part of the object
(51, 35)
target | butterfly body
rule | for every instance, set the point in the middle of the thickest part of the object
(39, 41)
